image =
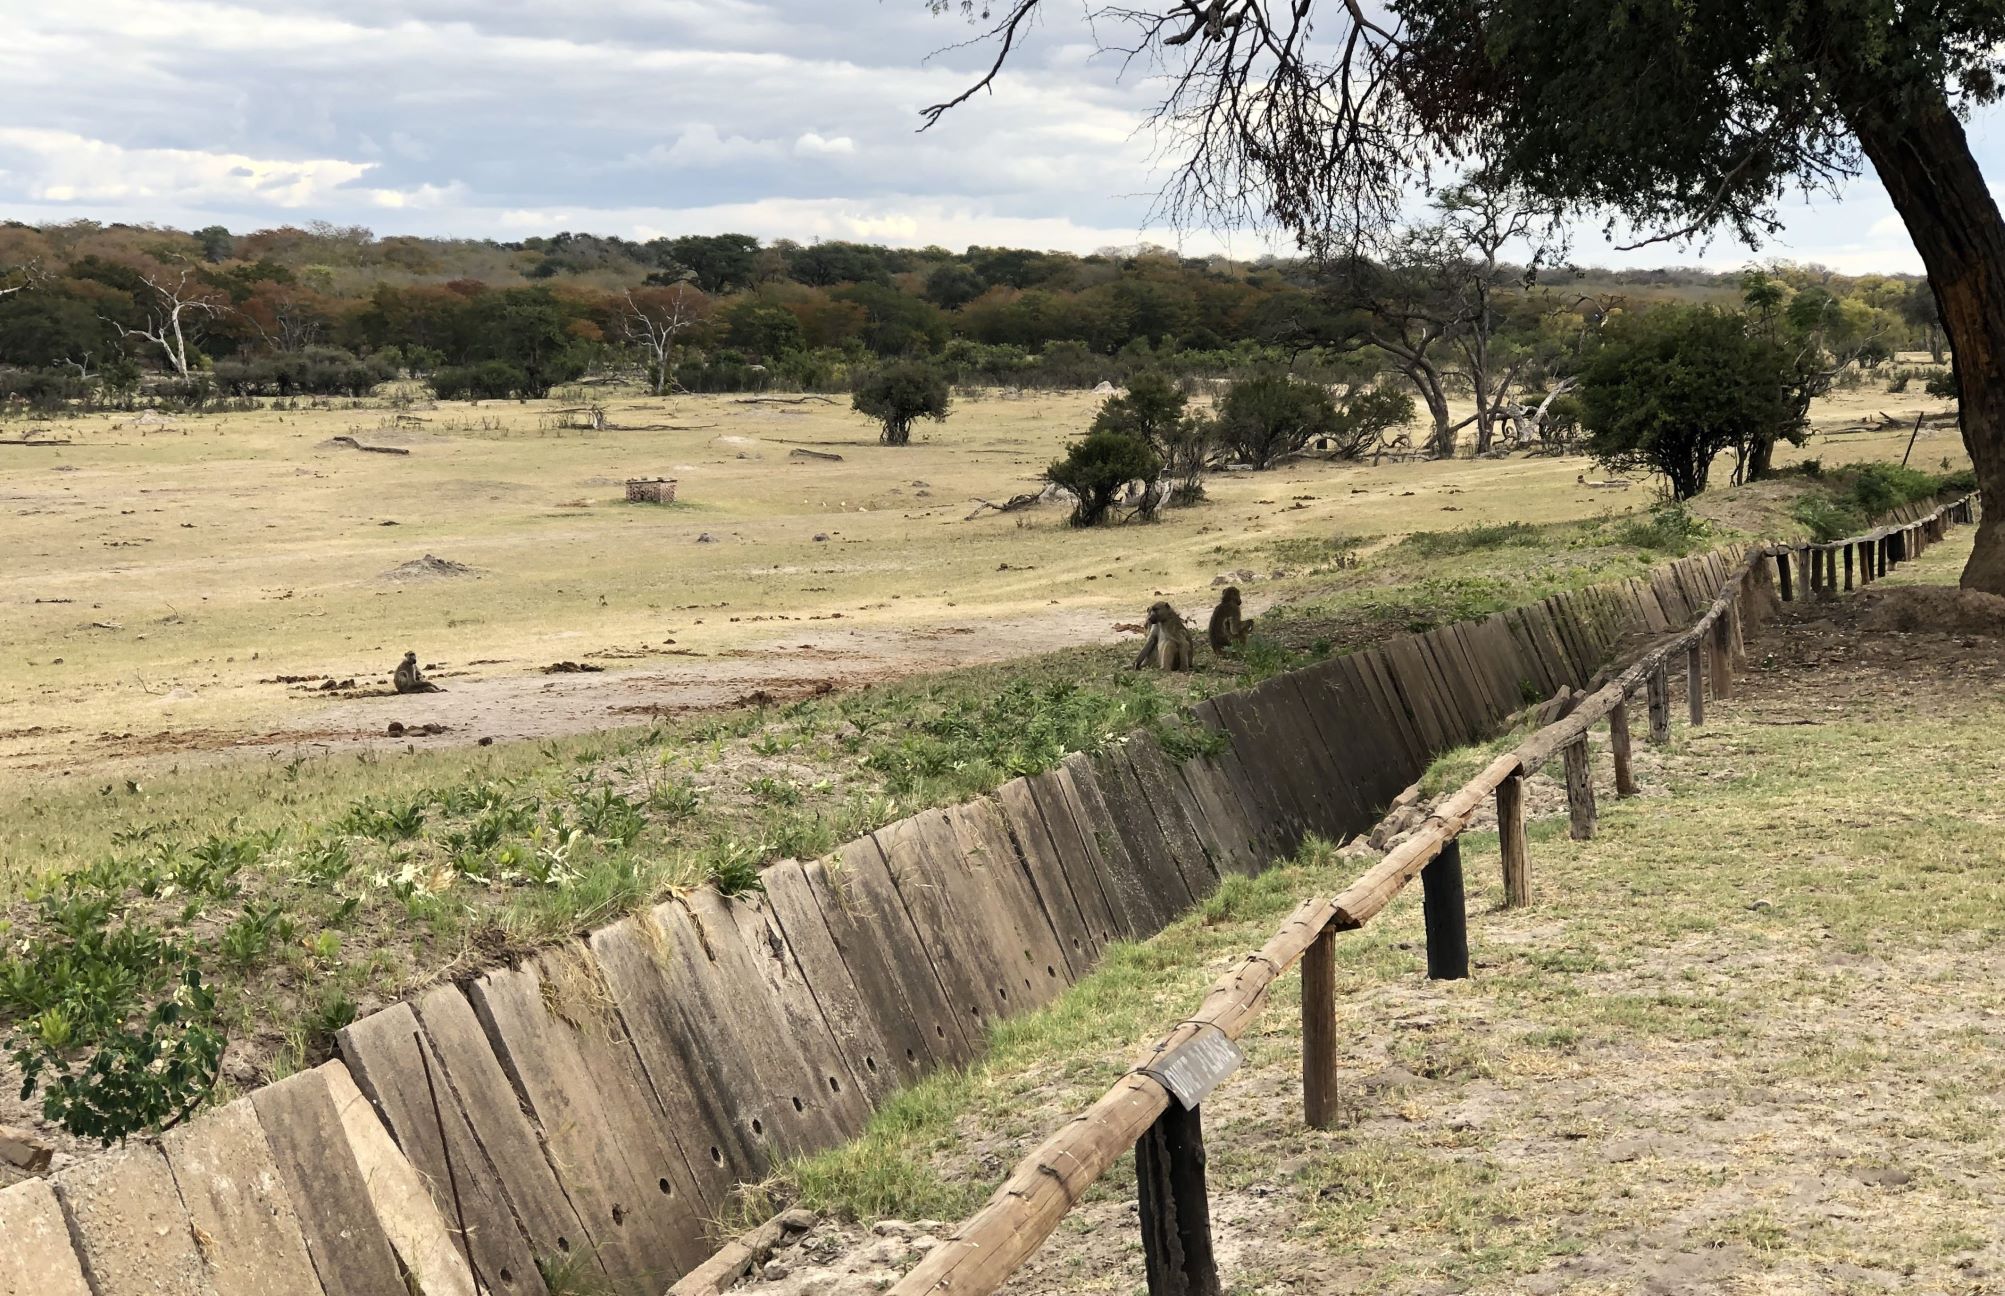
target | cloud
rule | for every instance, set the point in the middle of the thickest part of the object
(813, 145)
(61, 167)
(789, 118)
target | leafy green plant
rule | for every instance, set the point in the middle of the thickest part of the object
(1827, 519)
(1669, 528)
(112, 1021)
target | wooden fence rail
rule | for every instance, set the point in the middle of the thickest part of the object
(1156, 1107)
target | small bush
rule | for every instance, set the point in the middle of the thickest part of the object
(1096, 468)
(489, 380)
(1827, 519)
(1668, 528)
(1941, 385)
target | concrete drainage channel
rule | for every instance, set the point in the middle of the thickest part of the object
(595, 1105)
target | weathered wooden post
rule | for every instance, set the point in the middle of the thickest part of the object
(1319, 1031)
(1175, 1208)
(1618, 743)
(1660, 703)
(1885, 546)
(1444, 910)
(1782, 573)
(1722, 660)
(1580, 789)
(1803, 572)
(1695, 684)
(1848, 569)
(1511, 842)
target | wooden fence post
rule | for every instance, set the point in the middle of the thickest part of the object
(1618, 742)
(1511, 842)
(1660, 704)
(1319, 1031)
(1803, 572)
(1695, 685)
(1722, 666)
(1445, 911)
(1883, 544)
(1782, 572)
(1580, 789)
(1175, 1210)
(1848, 569)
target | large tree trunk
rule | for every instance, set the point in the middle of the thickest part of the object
(1924, 160)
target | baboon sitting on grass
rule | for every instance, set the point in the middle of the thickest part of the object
(1168, 646)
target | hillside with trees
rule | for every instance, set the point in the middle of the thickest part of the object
(112, 314)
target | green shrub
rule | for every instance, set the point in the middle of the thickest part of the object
(1494, 535)
(1668, 528)
(1941, 385)
(1827, 519)
(1095, 469)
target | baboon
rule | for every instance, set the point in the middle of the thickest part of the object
(412, 680)
(1228, 628)
(1168, 646)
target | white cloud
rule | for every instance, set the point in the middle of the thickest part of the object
(813, 145)
(62, 167)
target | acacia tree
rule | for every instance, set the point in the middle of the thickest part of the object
(1692, 117)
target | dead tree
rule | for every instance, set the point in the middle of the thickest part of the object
(653, 318)
(173, 320)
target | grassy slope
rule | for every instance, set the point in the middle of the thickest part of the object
(1745, 1039)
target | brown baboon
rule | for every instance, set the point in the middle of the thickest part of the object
(412, 680)
(1168, 646)
(1228, 628)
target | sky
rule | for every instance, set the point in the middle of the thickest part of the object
(506, 118)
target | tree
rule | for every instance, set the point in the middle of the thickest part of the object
(1096, 468)
(1687, 119)
(653, 318)
(721, 262)
(1671, 390)
(899, 394)
(177, 305)
(1154, 411)
(1265, 417)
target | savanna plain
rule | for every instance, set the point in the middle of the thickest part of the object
(1742, 1043)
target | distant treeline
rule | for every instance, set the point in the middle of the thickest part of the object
(99, 312)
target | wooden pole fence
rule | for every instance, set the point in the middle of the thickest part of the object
(1319, 1031)
(1175, 1207)
(1511, 843)
(1445, 914)
(1140, 1112)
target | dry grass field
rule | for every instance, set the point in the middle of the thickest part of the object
(167, 581)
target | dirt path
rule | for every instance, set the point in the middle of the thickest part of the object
(1745, 1041)
(500, 701)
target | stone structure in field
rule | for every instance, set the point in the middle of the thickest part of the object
(650, 490)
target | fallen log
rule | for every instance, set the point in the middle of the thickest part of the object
(1010, 505)
(353, 444)
(781, 400)
(799, 453)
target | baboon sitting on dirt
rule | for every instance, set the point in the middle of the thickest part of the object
(412, 680)
(1168, 646)
(1228, 628)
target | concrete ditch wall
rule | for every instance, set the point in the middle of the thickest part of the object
(596, 1104)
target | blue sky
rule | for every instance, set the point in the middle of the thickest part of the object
(503, 118)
